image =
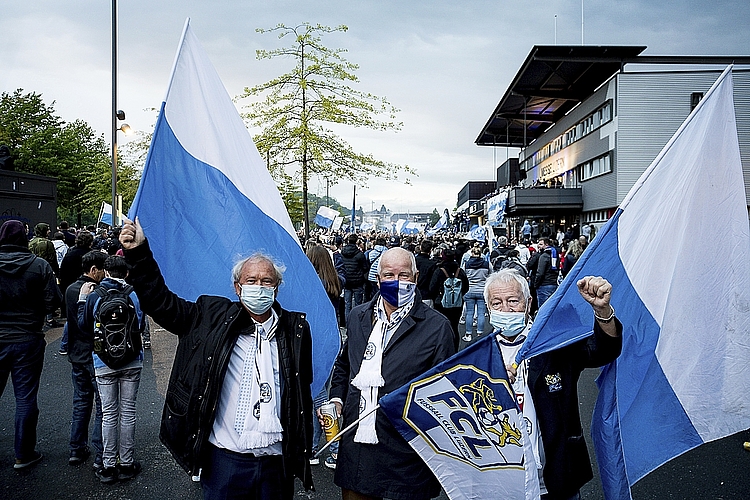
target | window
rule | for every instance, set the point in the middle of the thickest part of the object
(596, 167)
(695, 98)
(573, 134)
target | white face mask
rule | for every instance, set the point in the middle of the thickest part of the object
(509, 324)
(257, 298)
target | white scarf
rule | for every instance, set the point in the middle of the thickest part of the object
(369, 379)
(262, 426)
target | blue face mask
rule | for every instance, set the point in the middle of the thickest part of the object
(258, 299)
(509, 324)
(397, 293)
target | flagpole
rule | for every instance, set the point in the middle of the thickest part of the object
(341, 433)
(354, 207)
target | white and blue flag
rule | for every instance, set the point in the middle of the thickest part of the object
(325, 216)
(462, 419)
(683, 377)
(206, 199)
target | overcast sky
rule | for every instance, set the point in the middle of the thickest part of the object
(444, 64)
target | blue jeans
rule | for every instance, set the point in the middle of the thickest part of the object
(23, 361)
(544, 292)
(64, 338)
(473, 299)
(85, 396)
(358, 294)
(230, 475)
(118, 392)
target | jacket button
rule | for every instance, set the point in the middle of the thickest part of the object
(296, 374)
(200, 397)
(209, 358)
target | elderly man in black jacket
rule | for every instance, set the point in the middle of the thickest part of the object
(238, 405)
(28, 291)
(391, 339)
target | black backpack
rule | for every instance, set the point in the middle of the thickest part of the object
(117, 337)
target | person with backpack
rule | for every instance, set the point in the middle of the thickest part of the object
(80, 346)
(477, 270)
(514, 262)
(449, 284)
(111, 314)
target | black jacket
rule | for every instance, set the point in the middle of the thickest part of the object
(28, 291)
(355, 266)
(553, 383)
(71, 266)
(391, 468)
(80, 344)
(426, 268)
(207, 331)
(546, 273)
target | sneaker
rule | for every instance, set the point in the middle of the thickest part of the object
(746, 445)
(62, 352)
(466, 338)
(97, 466)
(330, 461)
(147, 344)
(107, 475)
(462, 321)
(20, 464)
(78, 457)
(315, 461)
(53, 324)
(129, 471)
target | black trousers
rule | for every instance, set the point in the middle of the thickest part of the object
(229, 475)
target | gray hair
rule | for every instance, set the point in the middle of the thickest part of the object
(397, 249)
(278, 267)
(504, 277)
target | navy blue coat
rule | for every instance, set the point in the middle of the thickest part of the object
(390, 468)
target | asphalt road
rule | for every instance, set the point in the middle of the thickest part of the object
(718, 470)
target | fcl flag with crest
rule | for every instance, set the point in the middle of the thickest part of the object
(683, 378)
(463, 421)
(206, 199)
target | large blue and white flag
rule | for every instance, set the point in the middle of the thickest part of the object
(683, 377)
(463, 421)
(325, 216)
(206, 199)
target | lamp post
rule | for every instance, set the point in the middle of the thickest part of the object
(114, 111)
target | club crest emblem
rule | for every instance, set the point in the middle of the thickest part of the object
(468, 415)
(265, 392)
(370, 350)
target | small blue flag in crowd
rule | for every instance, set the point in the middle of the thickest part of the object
(683, 377)
(325, 216)
(206, 199)
(463, 421)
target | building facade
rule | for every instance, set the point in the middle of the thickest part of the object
(591, 120)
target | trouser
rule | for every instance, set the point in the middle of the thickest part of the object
(85, 399)
(230, 475)
(544, 292)
(23, 361)
(353, 297)
(118, 392)
(475, 299)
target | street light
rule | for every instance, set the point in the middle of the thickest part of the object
(116, 114)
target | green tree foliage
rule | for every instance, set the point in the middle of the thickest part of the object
(42, 143)
(296, 108)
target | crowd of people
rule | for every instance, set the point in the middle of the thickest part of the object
(239, 414)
